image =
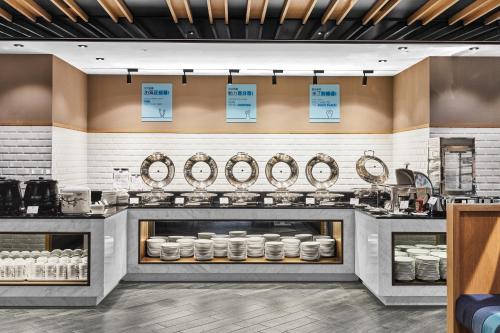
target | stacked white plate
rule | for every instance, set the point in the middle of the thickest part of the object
(316, 237)
(203, 249)
(292, 247)
(427, 268)
(254, 235)
(221, 236)
(404, 268)
(206, 235)
(237, 234)
(425, 246)
(170, 251)
(404, 248)
(186, 247)
(173, 239)
(275, 250)
(441, 247)
(109, 196)
(255, 247)
(304, 237)
(309, 251)
(159, 237)
(400, 254)
(272, 237)
(287, 237)
(220, 246)
(237, 248)
(154, 246)
(417, 252)
(327, 247)
(443, 263)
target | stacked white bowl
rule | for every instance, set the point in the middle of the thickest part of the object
(417, 252)
(170, 251)
(237, 234)
(309, 251)
(220, 247)
(186, 247)
(255, 247)
(237, 248)
(291, 247)
(154, 246)
(443, 263)
(271, 237)
(206, 235)
(427, 268)
(327, 247)
(173, 239)
(275, 250)
(400, 254)
(404, 268)
(316, 237)
(304, 237)
(203, 249)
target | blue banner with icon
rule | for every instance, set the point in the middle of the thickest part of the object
(241, 103)
(324, 103)
(156, 102)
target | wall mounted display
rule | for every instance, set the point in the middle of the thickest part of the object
(241, 103)
(324, 103)
(156, 102)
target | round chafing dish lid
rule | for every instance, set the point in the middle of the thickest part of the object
(292, 164)
(254, 170)
(332, 165)
(188, 171)
(146, 167)
(365, 174)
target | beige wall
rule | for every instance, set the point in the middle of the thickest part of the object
(465, 92)
(412, 97)
(69, 96)
(25, 89)
(200, 106)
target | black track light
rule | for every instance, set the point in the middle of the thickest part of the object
(230, 77)
(129, 75)
(315, 77)
(184, 77)
(275, 79)
(364, 82)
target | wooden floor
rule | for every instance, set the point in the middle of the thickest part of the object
(231, 307)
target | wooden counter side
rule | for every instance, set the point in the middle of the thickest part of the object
(473, 254)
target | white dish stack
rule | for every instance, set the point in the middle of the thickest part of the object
(292, 247)
(315, 238)
(404, 268)
(154, 246)
(427, 268)
(327, 247)
(304, 237)
(309, 251)
(203, 249)
(220, 247)
(417, 252)
(443, 263)
(272, 237)
(237, 248)
(404, 248)
(170, 251)
(400, 254)
(206, 235)
(426, 246)
(274, 250)
(173, 239)
(255, 247)
(237, 234)
(186, 247)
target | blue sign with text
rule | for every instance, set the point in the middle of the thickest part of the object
(156, 102)
(241, 103)
(324, 103)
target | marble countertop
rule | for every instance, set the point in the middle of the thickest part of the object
(107, 213)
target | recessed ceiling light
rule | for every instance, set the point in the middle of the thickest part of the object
(382, 60)
(403, 49)
(83, 46)
(474, 48)
(320, 33)
(190, 33)
(99, 59)
(18, 45)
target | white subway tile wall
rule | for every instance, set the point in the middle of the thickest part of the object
(411, 147)
(487, 155)
(69, 156)
(25, 152)
(107, 151)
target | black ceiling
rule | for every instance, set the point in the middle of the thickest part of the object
(153, 19)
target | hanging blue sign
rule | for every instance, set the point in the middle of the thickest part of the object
(241, 103)
(156, 102)
(324, 103)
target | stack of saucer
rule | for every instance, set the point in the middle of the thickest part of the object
(443, 263)
(186, 247)
(400, 254)
(170, 251)
(327, 247)
(275, 250)
(316, 237)
(292, 247)
(309, 251)
(173, 239)
(206, 235)
(221, 236)
(427, 268)
(237, 234)
(272, 237)
(417, 252)
(154, 246)
(425, 246)
(220, 247)
(304, 237)
(404, 268)
(237, 248)
(203, 249)
(255, 247)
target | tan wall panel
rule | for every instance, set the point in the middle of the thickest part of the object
(25, 89)
(69, 96)
(465, 91)
(412, 97)
(200, 106)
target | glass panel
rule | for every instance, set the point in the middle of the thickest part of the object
(458, 173)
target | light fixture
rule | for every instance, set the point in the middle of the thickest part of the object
(230, 77)
(474, 48)
(99, 59)
(83, 46)
(403, 48)
(364, 82)
(184, 77)
(129, 75)
(18, 45)
(275, 79)
(320, 33)
(382, 60)
(315, 77)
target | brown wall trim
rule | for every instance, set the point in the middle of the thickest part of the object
(70, 127)
(412, 128)
(230, 132)
(460, 125)
(24, 123)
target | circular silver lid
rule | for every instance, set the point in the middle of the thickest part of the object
(188, 171)
(146, 165)
(254, 173)
(367, 175)
(334, 171)
(292, 164)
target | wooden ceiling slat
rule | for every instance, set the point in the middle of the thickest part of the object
(210, 14)
(385, 11)
(264, 11)
(37, 9)
(249, 7)
(108, 10)
(125, 10)
(65, 9)
(5, 15)
(438, 10)
(284, 11)
(21, 9)
(467, 10)
(188, 11)
(493, 18)
(226, 12)
(345, 11)
(374, 10)
(309, 10)
(490, 6)
(77, 9)
(329, 11)
(172, 11)
(422, 11)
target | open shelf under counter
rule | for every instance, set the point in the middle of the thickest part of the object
(149, 260)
